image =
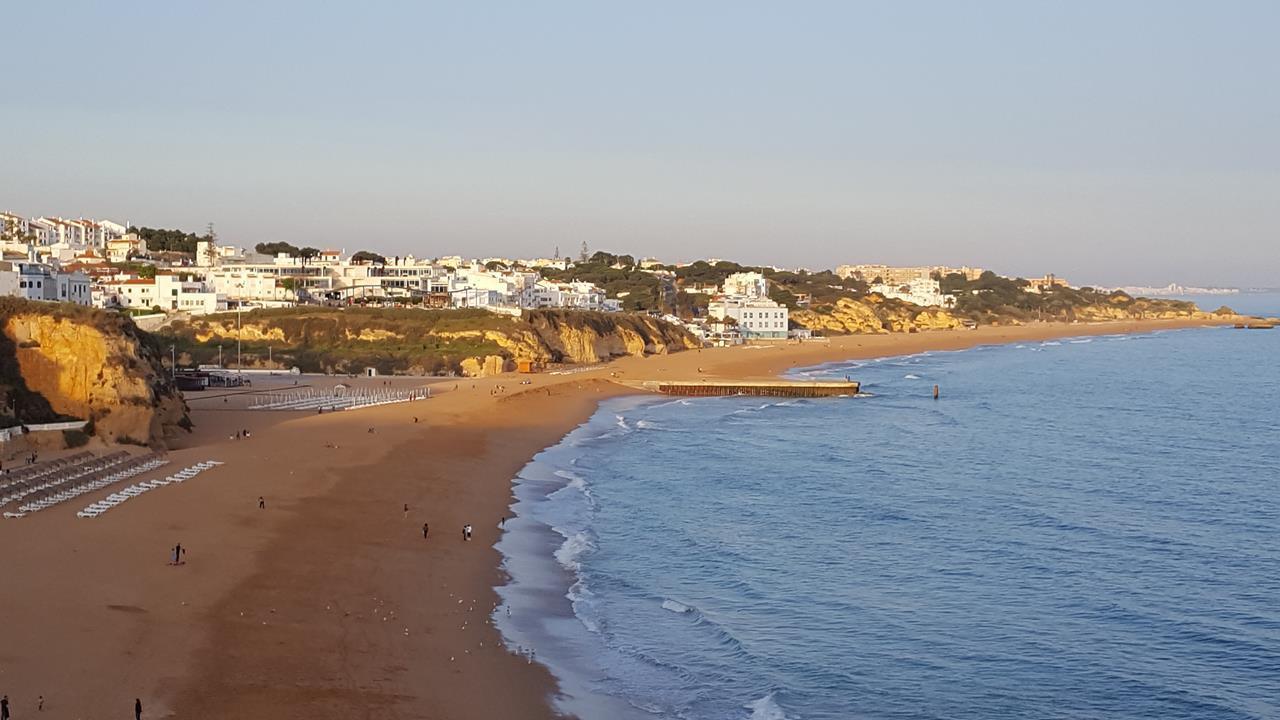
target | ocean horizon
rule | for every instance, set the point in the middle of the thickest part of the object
(1083, 527)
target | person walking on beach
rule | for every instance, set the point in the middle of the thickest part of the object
(4, 708)
(262, 503)
(425, 529)
(178, 552)
(137, 709)
(406, 511)
(466, 529)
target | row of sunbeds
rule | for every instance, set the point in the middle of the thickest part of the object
(66, 477)
(15, 476)
(94, 482)
(115, 498)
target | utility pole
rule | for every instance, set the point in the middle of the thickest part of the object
(219, 356)
(173, 361)
(583, 256)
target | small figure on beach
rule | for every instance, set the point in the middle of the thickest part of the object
(137, 709)
(466, 531)
(415, 419)
(4, 708)
(503, 521)
(178, 553)
(406, 511)
(425, 529)
(40, 703)
(262, 503)
(370, 431)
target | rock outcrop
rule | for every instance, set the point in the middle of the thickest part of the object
(60, 361)
(874, 315)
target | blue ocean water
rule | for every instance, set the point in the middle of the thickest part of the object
(1080, 528)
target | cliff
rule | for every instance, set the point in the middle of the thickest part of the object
(874, 315)
(60, 361)
(425, 342)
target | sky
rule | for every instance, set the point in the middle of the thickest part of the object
(1116, 142)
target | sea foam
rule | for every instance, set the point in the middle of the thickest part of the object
(766, 708)
(675, 606)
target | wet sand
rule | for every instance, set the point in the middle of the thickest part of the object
(329, 602)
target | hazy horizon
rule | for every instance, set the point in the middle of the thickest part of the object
(1109, 144)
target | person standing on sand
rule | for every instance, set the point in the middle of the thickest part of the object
(425, 529)
(4, 708)
(406, 511)
(137, 709)
(262, 503)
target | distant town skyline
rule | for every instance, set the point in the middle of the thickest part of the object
(1111, 144)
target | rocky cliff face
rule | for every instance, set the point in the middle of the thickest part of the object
(875, 315)
(872, 315)
(583, 337)
(471, 343)
(60, 361)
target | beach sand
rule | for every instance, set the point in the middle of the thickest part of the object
(329, 602)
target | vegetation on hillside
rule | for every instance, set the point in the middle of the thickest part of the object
(323, 339)
(620, 278)
(993, 298)
(393, 340)
(161, 240)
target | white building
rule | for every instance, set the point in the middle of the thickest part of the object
(746, 284)
(169, 292)
(11, 224)
(754, 318)
(924, 292)
(38, 281)
(245, 285)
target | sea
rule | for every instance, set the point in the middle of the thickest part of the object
(1077, 528)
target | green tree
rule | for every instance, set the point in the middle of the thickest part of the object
(367, 256)
(275, 248)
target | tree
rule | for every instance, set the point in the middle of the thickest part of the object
(161, 240)
(367, 256)
(275, 248)
(147, 272)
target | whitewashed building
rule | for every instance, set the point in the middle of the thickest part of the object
(754, 318)
(39, 281)
(169, 292)
(922, 291)
(746, 284)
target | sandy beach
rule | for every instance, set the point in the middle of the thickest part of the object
(329, 602)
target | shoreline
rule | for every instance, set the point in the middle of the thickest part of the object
(329, 602)
(550, 584)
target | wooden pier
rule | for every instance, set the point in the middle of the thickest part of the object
(763, 388)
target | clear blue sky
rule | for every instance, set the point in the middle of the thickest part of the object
(1110, 142)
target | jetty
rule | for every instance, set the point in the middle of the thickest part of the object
(760, 388)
